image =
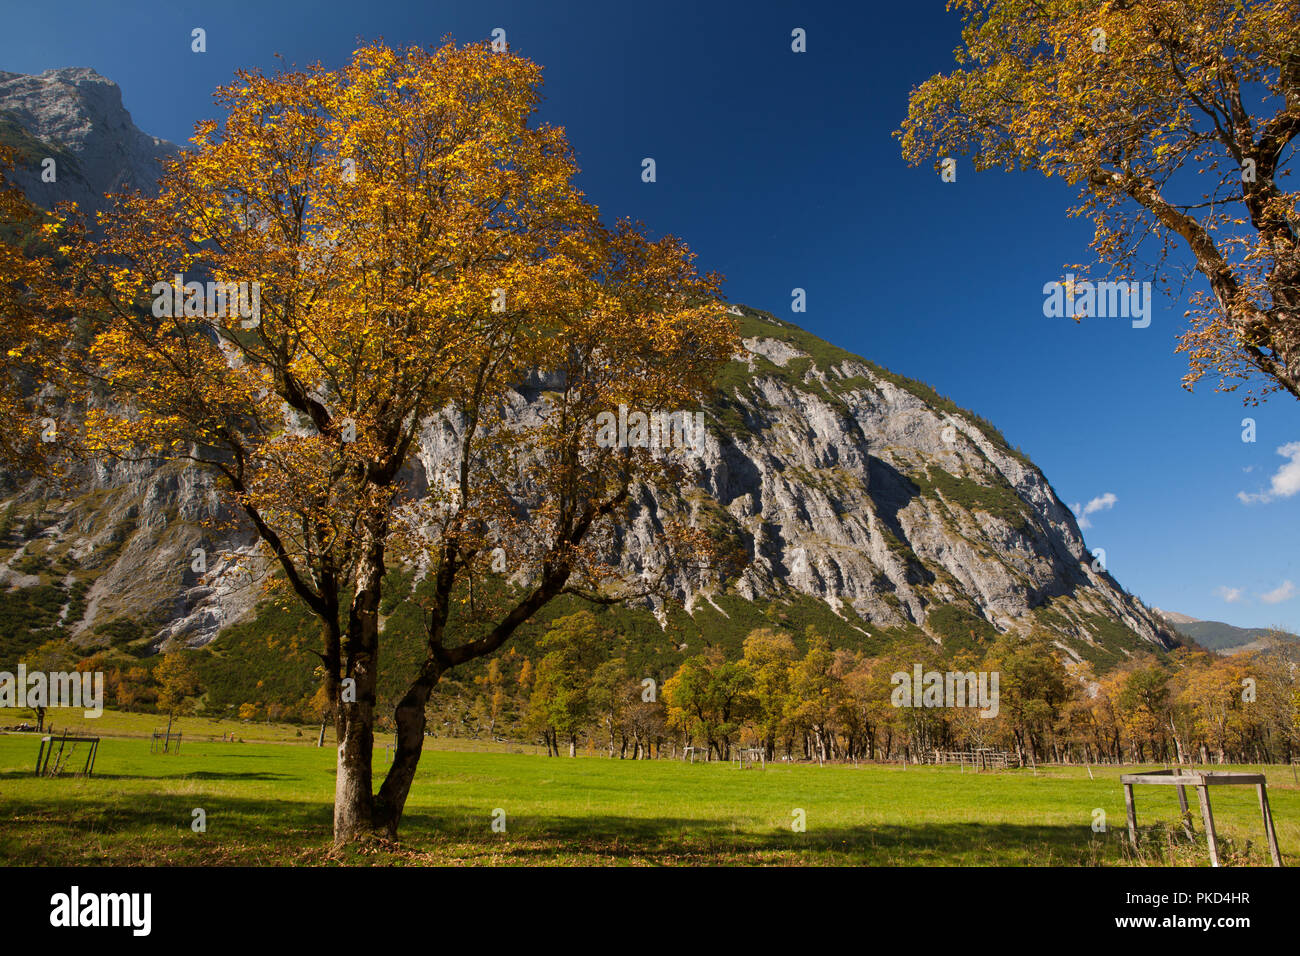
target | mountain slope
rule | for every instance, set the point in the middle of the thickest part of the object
(870, 490)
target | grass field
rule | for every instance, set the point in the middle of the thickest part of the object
(268, 803)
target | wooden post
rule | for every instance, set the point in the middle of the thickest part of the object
(1132, 815)
(1273, 851)
(1186, 814)
(1207, 814)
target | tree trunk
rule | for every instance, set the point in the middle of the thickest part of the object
(409, 715)
(353, 803)
(355, 720)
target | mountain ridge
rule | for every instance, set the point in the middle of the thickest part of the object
(1223, 637)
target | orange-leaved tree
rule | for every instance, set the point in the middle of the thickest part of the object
(1177, 121)
(374, 303)
(30, 327)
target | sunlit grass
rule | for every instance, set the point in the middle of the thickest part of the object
(267, 803)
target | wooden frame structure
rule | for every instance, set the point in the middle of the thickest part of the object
(741, 756)
(1202, 780)
(165, 742)
(48, 753)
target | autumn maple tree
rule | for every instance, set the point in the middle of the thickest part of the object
(1177, 122)
(29, 326)
(437, 320)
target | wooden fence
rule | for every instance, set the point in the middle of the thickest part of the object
(981, 759)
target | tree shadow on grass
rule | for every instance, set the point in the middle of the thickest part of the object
(152, 775)
(144, 829)
(538, 838)
(221, 775)
(149, 829)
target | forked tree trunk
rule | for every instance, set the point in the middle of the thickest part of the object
(356, 812)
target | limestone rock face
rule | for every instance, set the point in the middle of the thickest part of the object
(869, 490)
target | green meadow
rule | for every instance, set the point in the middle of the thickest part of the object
(267, 802)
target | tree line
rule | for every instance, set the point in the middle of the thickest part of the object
(833, 704)
(816, 703)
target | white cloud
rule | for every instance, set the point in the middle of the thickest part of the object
(1285, 481)
(1231, 595)
(1100, 503)
(1283, 592)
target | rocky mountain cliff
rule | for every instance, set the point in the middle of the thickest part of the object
(838, 480)
(846, 486)
(75, 117)
(874, 494)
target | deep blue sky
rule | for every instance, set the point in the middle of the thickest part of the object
(779, 169)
